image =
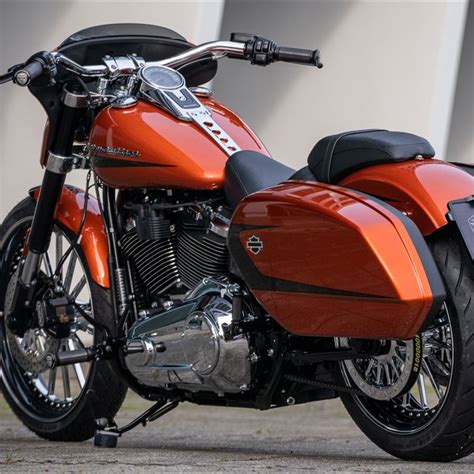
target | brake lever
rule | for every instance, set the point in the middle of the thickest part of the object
(6, 77)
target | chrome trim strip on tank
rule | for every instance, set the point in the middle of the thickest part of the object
(203, 118)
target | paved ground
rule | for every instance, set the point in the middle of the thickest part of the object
(316, 437)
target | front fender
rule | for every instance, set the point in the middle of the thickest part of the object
(94, 239)
(419, 189)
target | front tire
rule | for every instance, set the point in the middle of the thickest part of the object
(34, 393)
(447, 433)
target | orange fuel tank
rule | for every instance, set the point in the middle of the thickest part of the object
(144, 146)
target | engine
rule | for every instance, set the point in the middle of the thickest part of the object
(192, 345)
(178, 256)
(173, 244)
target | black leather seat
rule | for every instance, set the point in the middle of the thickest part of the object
(247, 172)
(336, 156)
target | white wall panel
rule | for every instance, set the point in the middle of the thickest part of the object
(387, 65)
(30, 26)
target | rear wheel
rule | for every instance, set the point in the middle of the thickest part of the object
(62, 403)
(433, 419)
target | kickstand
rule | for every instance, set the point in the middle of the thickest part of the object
(108, 433)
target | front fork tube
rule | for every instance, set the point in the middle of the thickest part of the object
(43, 223)
(43, 220)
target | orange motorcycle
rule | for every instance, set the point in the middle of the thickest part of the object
(194, 268)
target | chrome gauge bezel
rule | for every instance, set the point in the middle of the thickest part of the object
(150, 85)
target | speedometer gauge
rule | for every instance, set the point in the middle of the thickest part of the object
(161, 77)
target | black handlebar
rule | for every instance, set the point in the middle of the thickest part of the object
(262, 51)
(298, 56)
(28, 72)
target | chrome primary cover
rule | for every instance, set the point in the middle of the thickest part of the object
(200, 354)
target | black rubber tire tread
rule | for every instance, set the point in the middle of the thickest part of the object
(104, 392)
(451, 435)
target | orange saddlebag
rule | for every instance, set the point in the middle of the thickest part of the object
(327, 261)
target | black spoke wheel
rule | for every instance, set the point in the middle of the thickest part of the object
(431, 418)
(61, 403)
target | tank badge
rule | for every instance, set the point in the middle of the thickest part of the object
(106, 150)
(255, 244)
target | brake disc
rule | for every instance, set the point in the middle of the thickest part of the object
(29, 351)
(390, 375)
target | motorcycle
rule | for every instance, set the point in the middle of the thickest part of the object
(204, 271)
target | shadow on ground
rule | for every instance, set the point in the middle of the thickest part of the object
(314, 437)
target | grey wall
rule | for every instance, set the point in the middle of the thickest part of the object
(30, 26)
(2, 116)
(461, 136)
(387, 65)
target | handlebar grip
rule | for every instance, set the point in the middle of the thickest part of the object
(27, 73)
(298, 56)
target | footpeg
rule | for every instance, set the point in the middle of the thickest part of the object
(105, 350)
(108, 433)
(106, 439)
(70, 357)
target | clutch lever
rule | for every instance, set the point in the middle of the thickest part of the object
(6, 77)
(9, 75)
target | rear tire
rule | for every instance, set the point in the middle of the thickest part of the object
(450, 435)
(103, 391)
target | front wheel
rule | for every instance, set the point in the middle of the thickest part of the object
(433, 419)
(62, 403)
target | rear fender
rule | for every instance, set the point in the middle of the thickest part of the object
(419, 189)
(94, 240)
(328, 261)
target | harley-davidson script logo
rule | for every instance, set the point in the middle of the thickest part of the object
(106, 150)
(255, 244)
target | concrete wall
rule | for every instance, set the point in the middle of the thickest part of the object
(387, 65)
(27, 27)
(461, 136)
(2, 116)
